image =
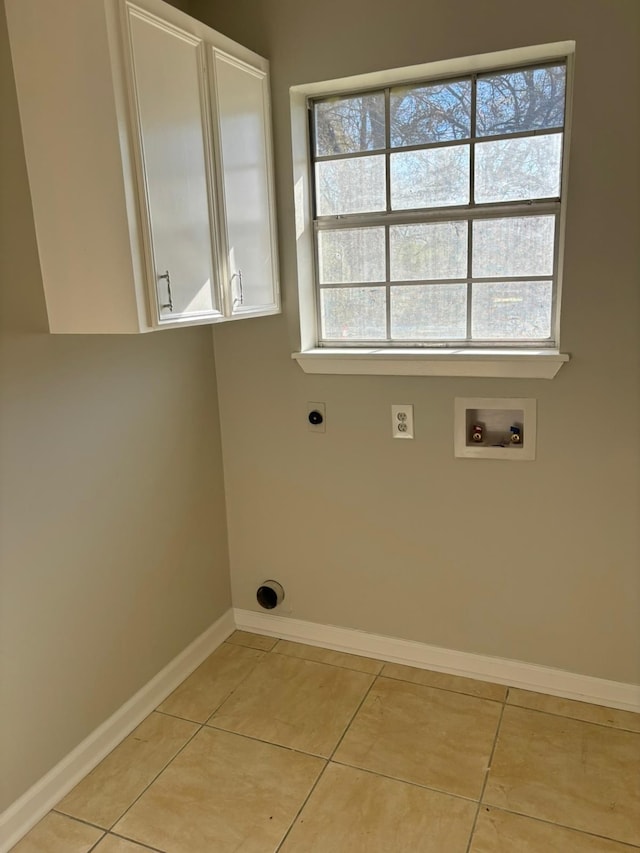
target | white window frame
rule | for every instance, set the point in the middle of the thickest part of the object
(504, 361)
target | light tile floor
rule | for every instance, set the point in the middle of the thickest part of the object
(276, 746)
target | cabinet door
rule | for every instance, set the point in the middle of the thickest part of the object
(243, 128)
(167, 75)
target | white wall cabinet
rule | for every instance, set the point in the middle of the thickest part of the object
(148, 146)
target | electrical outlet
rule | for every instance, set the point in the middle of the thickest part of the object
(402, 420)
(316, 417)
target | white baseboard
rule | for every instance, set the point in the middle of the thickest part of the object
(25, 812)
(514, 673)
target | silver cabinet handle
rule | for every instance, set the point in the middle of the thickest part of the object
(168, 304)
(240, 300)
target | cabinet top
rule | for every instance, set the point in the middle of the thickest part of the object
(166, 12)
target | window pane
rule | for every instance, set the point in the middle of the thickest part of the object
(513, 310)
(346, 125)
(428, 251)
(351, 255)
(433, 178)
(521, 245)
(350, 186)
(514, 169)
(530, 99)
(429, 312)
(357, 313)
(423, 114)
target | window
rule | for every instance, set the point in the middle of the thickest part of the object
(437, 210)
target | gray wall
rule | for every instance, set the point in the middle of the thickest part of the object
(537, 561)
(112, 518)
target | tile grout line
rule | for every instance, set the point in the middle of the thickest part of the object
(158, 774)
(232, 691)
(93, 846)
(488, 770)
(140, 843)
(184, 746)
(326, 663)
(327, 762)
(54, 810)
(353, 716)
(578, 719)
(227, 642)
(418, 785)
(177, 717)
(124, 838)
(304, 803)
(238, 685)
(226, 697)
(575, 829)
(256, 739)
(447, 689)
(274, 651)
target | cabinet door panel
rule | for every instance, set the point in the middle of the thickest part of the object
(167, 80)
(241, 105)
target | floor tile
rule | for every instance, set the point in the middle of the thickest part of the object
(578, 774)
(576, 710)
(223, 793)
(210, 684)
(301, 650)
(104, 795)
(252, 641)
(113, 844)
(424, 735)
(363, 813)
(501, 832)
(58, 834)
(296, 703)
(457, 683)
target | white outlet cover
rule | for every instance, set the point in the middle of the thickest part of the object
(402, 420)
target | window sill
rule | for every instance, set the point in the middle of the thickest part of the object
(501, 363)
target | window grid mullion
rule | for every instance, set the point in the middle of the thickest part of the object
(472, 202)
(472, 151)
(387, 260)
(426, 282)
(447, 143)
(556, 266)
(497, 210)
(469, 281)
(387, 248)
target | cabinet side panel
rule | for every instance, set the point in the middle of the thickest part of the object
(72, 142)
